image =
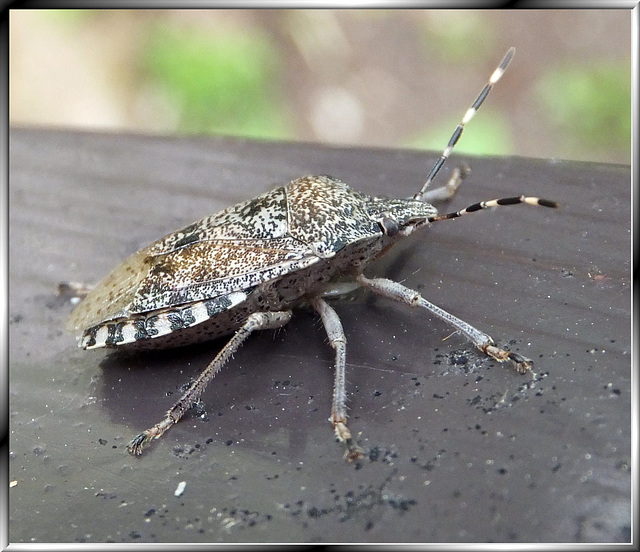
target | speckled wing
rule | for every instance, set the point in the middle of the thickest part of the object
(230, 251)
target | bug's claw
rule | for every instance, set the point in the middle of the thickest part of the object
(343, 435)
(522, 364)
(136, 444)
(353, 452)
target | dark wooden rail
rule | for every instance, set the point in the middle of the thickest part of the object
(460, 448)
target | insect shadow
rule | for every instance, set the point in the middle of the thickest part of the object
(274, 396)
(279, 381)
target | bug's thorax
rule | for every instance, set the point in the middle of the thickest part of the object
(348, 227)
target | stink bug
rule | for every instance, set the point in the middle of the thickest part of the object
(247, 267)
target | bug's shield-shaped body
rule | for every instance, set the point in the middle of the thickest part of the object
(265, 254)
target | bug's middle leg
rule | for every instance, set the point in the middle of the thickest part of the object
(338, 341)
(255, 321)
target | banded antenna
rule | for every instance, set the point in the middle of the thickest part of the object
(495, 77)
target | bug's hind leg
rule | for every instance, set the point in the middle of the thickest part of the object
(338, 341)
(255, 321)
(481, 340)
(78, 290)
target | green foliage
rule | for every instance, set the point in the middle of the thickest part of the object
(456, 35)
(223, 83)
(589, 106)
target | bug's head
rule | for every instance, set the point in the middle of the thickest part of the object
(400, 216)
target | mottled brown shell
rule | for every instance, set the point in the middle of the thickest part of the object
(252, 242)
(214, 264)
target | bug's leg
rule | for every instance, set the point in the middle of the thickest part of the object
(481, 340)
(338, 341)
(447, 191)
(74, 289)
(255, 321)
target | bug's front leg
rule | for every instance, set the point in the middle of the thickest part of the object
(481, 340)
(255, 321)
(446, 192)
(338, 341)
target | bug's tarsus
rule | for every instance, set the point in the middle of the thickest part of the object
(521, 363)
(495, 77)
(353, 452)
(138, 443)
(343, 435)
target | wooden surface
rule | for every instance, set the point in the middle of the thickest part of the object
(461, 449)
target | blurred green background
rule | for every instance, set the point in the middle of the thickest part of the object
(381, 78)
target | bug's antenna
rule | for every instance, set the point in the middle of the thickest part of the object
(535, 201)
(495, 77)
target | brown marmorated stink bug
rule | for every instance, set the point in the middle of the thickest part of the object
(247, 267)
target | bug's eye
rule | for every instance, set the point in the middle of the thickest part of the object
(389, 226)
